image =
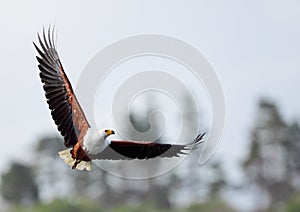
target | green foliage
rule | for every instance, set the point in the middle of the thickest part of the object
(293, 204)
(18, 185)
(209, 206)
(60, 205)
(138, 208)
(64, 206)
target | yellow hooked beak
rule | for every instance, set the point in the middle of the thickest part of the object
(109, 132)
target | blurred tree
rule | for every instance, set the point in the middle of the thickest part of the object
(292, 149)
(50, 169)
(218, 182)
(147, 190)
(53, 174)
(272, 165)
(49, 145)
(197, 182)
(18, 185)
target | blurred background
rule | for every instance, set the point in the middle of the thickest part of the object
(254, 48)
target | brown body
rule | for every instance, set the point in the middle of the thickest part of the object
(79, 155)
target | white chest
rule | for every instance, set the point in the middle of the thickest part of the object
(94, 142)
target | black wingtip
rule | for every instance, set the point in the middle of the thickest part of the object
(51, 30)
(34, 44)
(198, 140)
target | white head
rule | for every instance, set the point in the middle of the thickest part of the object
(106, 132)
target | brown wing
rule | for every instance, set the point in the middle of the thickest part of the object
(127, 150)
(65, 109)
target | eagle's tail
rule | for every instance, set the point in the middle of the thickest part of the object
(70, 161)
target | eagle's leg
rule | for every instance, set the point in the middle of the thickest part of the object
(76, 163)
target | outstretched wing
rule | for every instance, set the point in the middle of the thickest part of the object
(65, 109)
(127, 150)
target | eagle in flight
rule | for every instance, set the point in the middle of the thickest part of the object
(85, 143)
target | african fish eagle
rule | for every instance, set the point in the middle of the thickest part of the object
(84, 142)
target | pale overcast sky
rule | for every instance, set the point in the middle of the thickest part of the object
(252, 45)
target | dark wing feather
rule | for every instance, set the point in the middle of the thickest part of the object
(65, 109)
(127, 150)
